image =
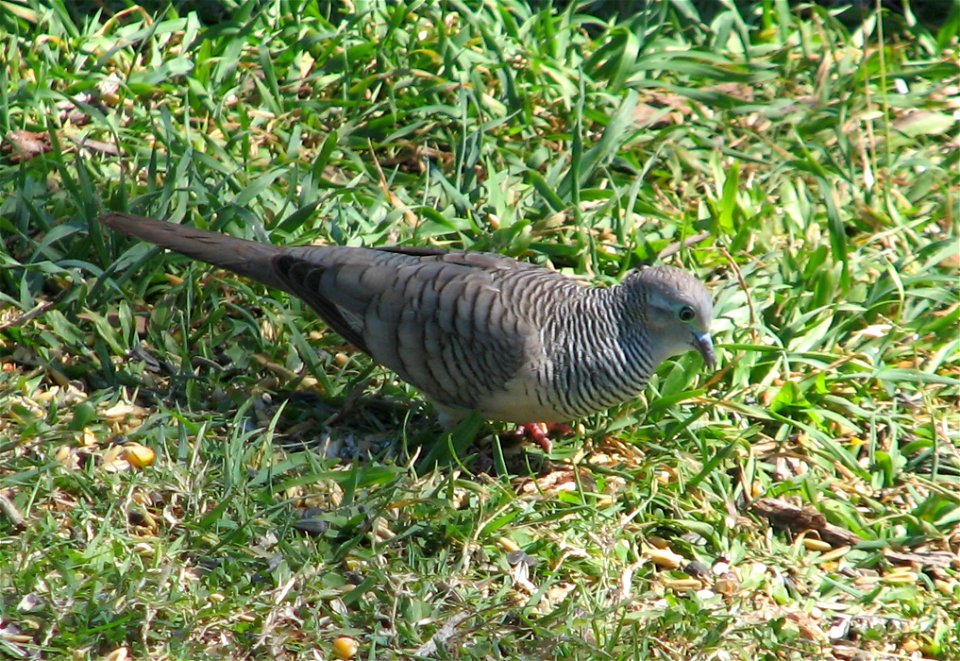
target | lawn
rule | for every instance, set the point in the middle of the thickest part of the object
(193, 466)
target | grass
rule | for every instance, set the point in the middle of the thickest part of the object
(802, 501)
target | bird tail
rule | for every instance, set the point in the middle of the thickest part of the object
(251, 259)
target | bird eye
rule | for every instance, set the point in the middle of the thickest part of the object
(687, 313)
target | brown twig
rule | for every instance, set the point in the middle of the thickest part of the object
(746, 290)
(677, 246)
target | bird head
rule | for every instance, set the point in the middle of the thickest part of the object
(677, 310)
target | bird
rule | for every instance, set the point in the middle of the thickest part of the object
(475, 331)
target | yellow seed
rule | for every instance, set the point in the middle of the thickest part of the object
(664, 476)
(144, 549)
(113, 460)
(345, 647)
(664, 558)
(727, 583)
(658, 542)
(88, 438)
(508, 544)
(900, 578)
(814, 544)
(604, 500)
(838, 552)
(910, 645)
(120, 411)
(946, 587)
(119, 654)
(682, 583)
(64, 455)
(138, 455)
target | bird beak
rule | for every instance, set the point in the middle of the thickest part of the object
(704, 344)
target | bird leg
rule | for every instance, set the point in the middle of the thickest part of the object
(539, 433)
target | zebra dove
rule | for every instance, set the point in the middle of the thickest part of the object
(473, 330)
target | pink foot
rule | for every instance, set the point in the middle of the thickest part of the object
(538, 432)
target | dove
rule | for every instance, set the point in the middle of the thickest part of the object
(475, 331)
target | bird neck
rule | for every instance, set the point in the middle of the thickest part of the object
(600, 353)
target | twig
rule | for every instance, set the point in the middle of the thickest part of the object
(442, 635)
(677, 246)
(746, 291)
(30, 314)
(12, 512)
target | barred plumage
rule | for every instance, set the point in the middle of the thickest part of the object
(475, 331)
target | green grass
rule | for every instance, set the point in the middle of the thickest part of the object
(819, 154)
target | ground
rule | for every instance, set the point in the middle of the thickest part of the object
(194, 467)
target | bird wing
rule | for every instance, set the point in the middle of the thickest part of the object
(446, 322)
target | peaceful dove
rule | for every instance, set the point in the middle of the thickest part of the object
(475, 331)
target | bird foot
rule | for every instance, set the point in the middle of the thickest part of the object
(539, 433)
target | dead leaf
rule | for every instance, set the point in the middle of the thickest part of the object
(802, 519)
(25, 145)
